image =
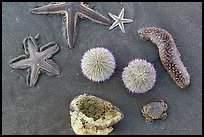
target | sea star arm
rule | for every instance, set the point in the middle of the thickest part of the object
(49, 9)
(50, 67)
(121, 15)
(113, 16)
(49, 49)
(30, 46)
(92, 15)
(113, 25)
(20, 62)
(116, 23)
(121, 25)
(33, 74)
(122, 19)
(70, 24)
(127, 20)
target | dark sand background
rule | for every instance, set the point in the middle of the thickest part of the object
(44, 109)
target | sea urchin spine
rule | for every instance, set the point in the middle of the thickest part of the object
(98, 64)
(139, 76)
(169, 54)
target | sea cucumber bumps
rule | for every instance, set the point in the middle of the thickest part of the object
(98, 64)
(169, 54)
(139, 76)
(91, 115)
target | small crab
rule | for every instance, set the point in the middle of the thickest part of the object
(154, 110)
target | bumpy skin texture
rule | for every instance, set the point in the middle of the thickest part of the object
(139, 76)
(98, 64)
(91, 115)
(169, 54)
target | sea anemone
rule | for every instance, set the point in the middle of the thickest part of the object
(98, 64)
(139, 76)
(91, 115)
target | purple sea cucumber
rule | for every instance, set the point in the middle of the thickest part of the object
(169, 54)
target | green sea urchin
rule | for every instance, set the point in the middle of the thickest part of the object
(98, 64)
(139, 76)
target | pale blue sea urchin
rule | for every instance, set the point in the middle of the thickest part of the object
(139, 76)
(98, 64)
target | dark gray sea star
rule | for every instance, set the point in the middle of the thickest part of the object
(71, 10)
(36, 61)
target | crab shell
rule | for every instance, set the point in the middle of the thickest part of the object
(155, 110)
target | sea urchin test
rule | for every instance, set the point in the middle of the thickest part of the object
(139, 76)
(98, 64)
(91, 115)
(169, 54)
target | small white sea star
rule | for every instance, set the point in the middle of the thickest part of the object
(119, 20)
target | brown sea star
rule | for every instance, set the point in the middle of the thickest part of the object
(36, 61)
(71, 10)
